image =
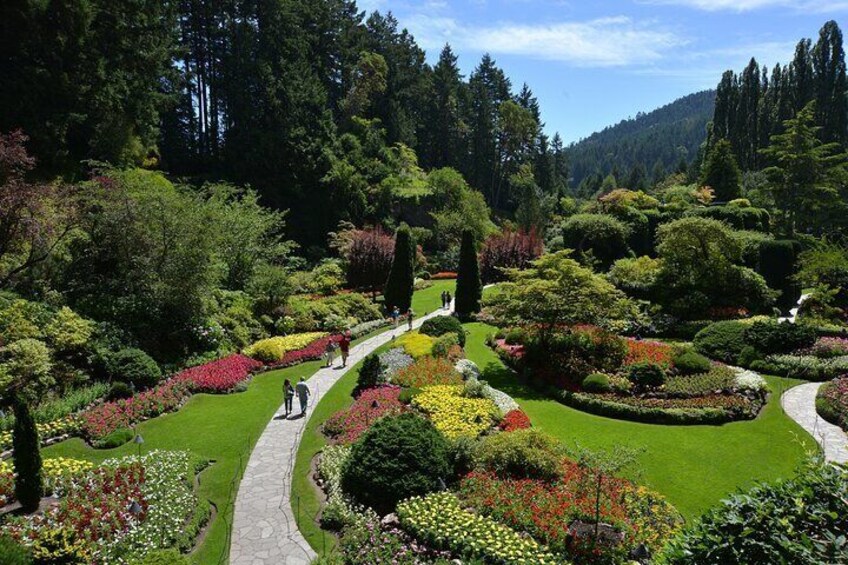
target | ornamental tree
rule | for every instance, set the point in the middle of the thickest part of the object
(399, 286)
(469, 289)
(509, 249)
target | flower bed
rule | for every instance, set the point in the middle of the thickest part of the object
(93, 518)
(311, 352)
(366, 328)
(219, 376)
(274, 349)
(641, 351)
(46, 432)
(346, 426)
(453, 414)
(415, 344)
(806, 367)
(393, 361)
(515, 420)
(548, 510)
(440, 522)
(427, 371)
(57, 472)
(443, 276)
(832, 402)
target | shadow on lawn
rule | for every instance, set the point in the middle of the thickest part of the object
(506, 380)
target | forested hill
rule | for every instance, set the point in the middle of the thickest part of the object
(656, 140)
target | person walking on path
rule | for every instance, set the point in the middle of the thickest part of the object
(303, 395)
(344, 347)
(395, 316)
(444, 299)
(409, 316)
(288, 393)
(329, 351)
(448, 299)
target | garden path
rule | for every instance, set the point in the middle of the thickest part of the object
(264, 528)
(799, 403)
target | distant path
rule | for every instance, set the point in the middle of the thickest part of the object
(264, 527)
(799, 403)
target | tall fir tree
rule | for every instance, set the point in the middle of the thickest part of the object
(721, 173)
(831, 86)
(469, 289)
(399, 286)
(447, 128)
(29, 484)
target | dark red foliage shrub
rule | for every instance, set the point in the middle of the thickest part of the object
(509, 249)
(368, 253)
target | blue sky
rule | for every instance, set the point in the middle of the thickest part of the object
(593, 63)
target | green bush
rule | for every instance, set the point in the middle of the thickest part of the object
(667, 416)
(462, 455)
(599, 235)
(778, 264)
(407, 394)
(721, 340)
(13, 553)
(689, 362)
(161, 557)
(596, 382)
(748, 356)
(515, 336)
(799, 520)
(646, 374)
(134, 366)
(769, 337)
(521, 454)
(370, 374)
(443, 345)
(119, 390)
(396, 458)
(116, 439)
(440, 325)
(26, 458)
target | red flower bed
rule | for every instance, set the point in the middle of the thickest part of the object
(515, 420)
(311, 352)
(221, 375)
(374, 403)
(657, 352)
(443, 275)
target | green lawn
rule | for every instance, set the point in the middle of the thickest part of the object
(694, 466)
(429, 299)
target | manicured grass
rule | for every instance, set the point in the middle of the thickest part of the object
(693, 466)
(429, 299)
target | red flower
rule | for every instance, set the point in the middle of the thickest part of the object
(515, 420)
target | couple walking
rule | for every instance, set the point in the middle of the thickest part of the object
(446, 300)
(342, 344)
(410, 316)
(302, 391)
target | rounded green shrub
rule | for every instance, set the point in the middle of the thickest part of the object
(646, 374)
(119, 390)
(769, 337)
(721, 340)
(134, 366)
(443, 345)
(116, 439)
(689, 362)
(370, 374)
(596, 382)
(748, 356)
(441, 325)
(515, 336)
(522, 454)
(398, 457)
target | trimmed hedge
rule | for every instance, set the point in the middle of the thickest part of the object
(596, 382)
(440, 325)
(134, 366)
(722, 340)
(671, 416)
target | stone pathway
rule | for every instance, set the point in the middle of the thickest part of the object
(800, 404)
(264, 529)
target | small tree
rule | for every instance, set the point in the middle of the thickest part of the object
(508, 250)
(469, 289)
(27, 457)
(399, 286)
(721, 172)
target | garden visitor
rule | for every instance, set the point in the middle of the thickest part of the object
(444, 299)
(288, 392)
(448, 299)
(302, 395)
(395, 316)
(344, 346)
(409, 316)
(330, 351)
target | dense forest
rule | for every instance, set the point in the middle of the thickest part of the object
(324, 112)
(641, 151)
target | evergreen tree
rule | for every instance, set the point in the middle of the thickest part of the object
(469, 289)
(447, 128)
(29, 486)
(399, 286)
(721, 173)
(831, 85)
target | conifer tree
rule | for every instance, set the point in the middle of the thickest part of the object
(721, 172)
(469, 289)
(399, 285)
(27, 457)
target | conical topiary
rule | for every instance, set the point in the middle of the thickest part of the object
(469, 289)
(399, 286)
(26, 458)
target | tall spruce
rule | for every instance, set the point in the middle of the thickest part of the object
(469, 289)
(401, 281)
(721, 173)
(29, 485)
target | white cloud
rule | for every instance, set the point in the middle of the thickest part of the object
(603, 42)
(369, 5)
(807, 6)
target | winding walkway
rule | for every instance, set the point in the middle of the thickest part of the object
(264, 528)
(799, 403)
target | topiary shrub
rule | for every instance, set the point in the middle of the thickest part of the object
(119, 390)
(522, 454)
(646, 374)
(440, 325)
(689, 362)
(398, 457)
(778, 264)
(399, 285)
(770, 337)
(116, 439)
(26, 458)
(370, 374)
(469, 289)
(596, 382)
(721, 340)
(13, 553)
(134, 366)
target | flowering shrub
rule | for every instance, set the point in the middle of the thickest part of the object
(832, 402)
(547, 510)
(416, 344)
(467, 368)
(827, 347)
(339, 511)
(440, 522)
(515, 420)
(7, 483)
(364, 328)
(273, 349)
(367, 541)
(657, 352)
(805, 367)
(311, 352)
(219, 376)
(68, 425)
(394, 360)
(372, 404)
(749, 381)
(428, 371)
(454, 415)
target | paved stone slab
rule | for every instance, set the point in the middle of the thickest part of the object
(800, 404)
(264, 529)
